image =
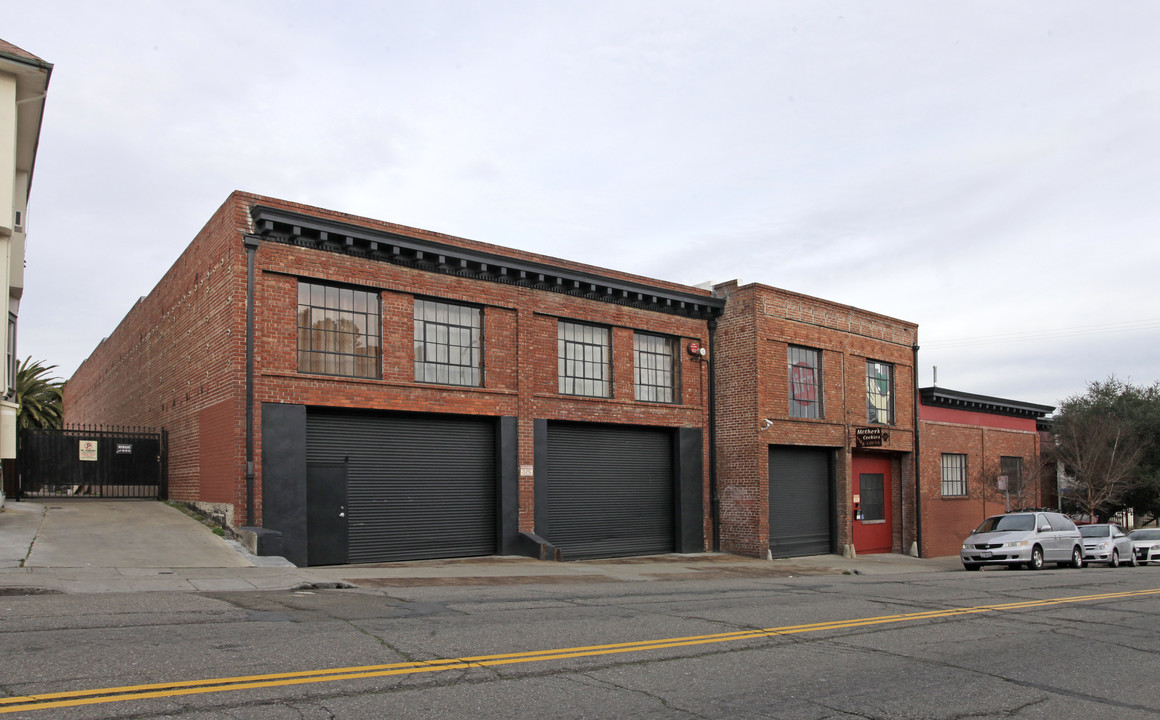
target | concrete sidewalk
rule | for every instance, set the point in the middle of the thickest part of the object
(99, 546)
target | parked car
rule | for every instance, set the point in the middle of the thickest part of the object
(1023, 538)
(1146, 545)
(1106, 543)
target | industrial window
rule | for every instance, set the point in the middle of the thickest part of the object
(339, 330)
(954, 475)
(873, 496)
(880, 392)
(448, 343)
(805, 382)
(655, 373)
(1012, 468)
(584, 354)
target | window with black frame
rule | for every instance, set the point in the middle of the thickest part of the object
(339, 330)
(805, 382)
(584, 359)
(448, 343)
(872, 488)
(954, 475)
(1012, 467)
(655, 371)
(879, 392)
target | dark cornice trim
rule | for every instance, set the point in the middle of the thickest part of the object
(317, 233)
(941, 397)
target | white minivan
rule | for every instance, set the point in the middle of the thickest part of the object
(1023, 538)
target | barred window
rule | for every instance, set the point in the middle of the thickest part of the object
(655, 373)
(584, 354)
(954, 475)
(805, 382)
(448, 343)
(880, 392)
(339, 331)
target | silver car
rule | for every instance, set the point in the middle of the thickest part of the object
(1024, 538)
(1146, 545)
(1106, 543)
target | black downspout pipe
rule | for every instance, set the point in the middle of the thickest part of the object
(917, 460)
(714, 508)
(251, 243)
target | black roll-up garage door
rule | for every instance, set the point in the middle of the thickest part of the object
(610, 490)
(418, 486)
(799, 501)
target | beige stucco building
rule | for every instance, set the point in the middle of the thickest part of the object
(23, 85)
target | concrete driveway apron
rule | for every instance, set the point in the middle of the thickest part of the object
(126, 534)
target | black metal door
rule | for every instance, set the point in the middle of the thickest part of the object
(799, 502)
(326, 533)
(418, 486)
(610, 490)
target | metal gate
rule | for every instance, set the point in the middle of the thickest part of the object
(800, 509)
(417, 486)
(610, 490)
(95, 462)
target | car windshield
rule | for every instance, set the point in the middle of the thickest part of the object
(1095, 530)
(1145, 535)
(1000, 523)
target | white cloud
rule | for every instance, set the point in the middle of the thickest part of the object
(978, 168)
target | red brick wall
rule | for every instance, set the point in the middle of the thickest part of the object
(947, 520)
(217, 473)
(181, 351)
(752, 342)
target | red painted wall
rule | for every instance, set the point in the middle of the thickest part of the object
(969, 417)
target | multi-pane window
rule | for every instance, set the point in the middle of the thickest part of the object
(655, 372)
(805, 382)
(339, 330)
(448, 343)
(584, 355)
(954, 475)
(1012, 467)
(880, 392)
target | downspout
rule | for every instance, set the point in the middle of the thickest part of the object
(714, 506)
(917, 459)
(251, 243)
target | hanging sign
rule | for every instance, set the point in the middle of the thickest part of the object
(870, 436)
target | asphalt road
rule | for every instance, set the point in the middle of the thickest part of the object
(1054, 644)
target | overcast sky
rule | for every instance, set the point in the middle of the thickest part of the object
(988, 170)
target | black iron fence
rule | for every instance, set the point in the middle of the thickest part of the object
(93, 461)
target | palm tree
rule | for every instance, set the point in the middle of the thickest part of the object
(39, 396)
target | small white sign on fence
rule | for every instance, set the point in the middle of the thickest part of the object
(88, 450)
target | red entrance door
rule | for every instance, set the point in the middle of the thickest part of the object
(873, 524)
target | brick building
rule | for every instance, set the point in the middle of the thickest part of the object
(814, 425)
(359, 391)
(367, 392)
(968, 442)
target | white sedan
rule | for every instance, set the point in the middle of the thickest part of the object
(1146, 545)
(1105, 543)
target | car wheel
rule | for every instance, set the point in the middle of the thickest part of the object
(1036, 561)
(1076, 558)
(1132, 561)
(970, 566)
(1115, 561)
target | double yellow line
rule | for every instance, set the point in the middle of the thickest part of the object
(251, 682)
